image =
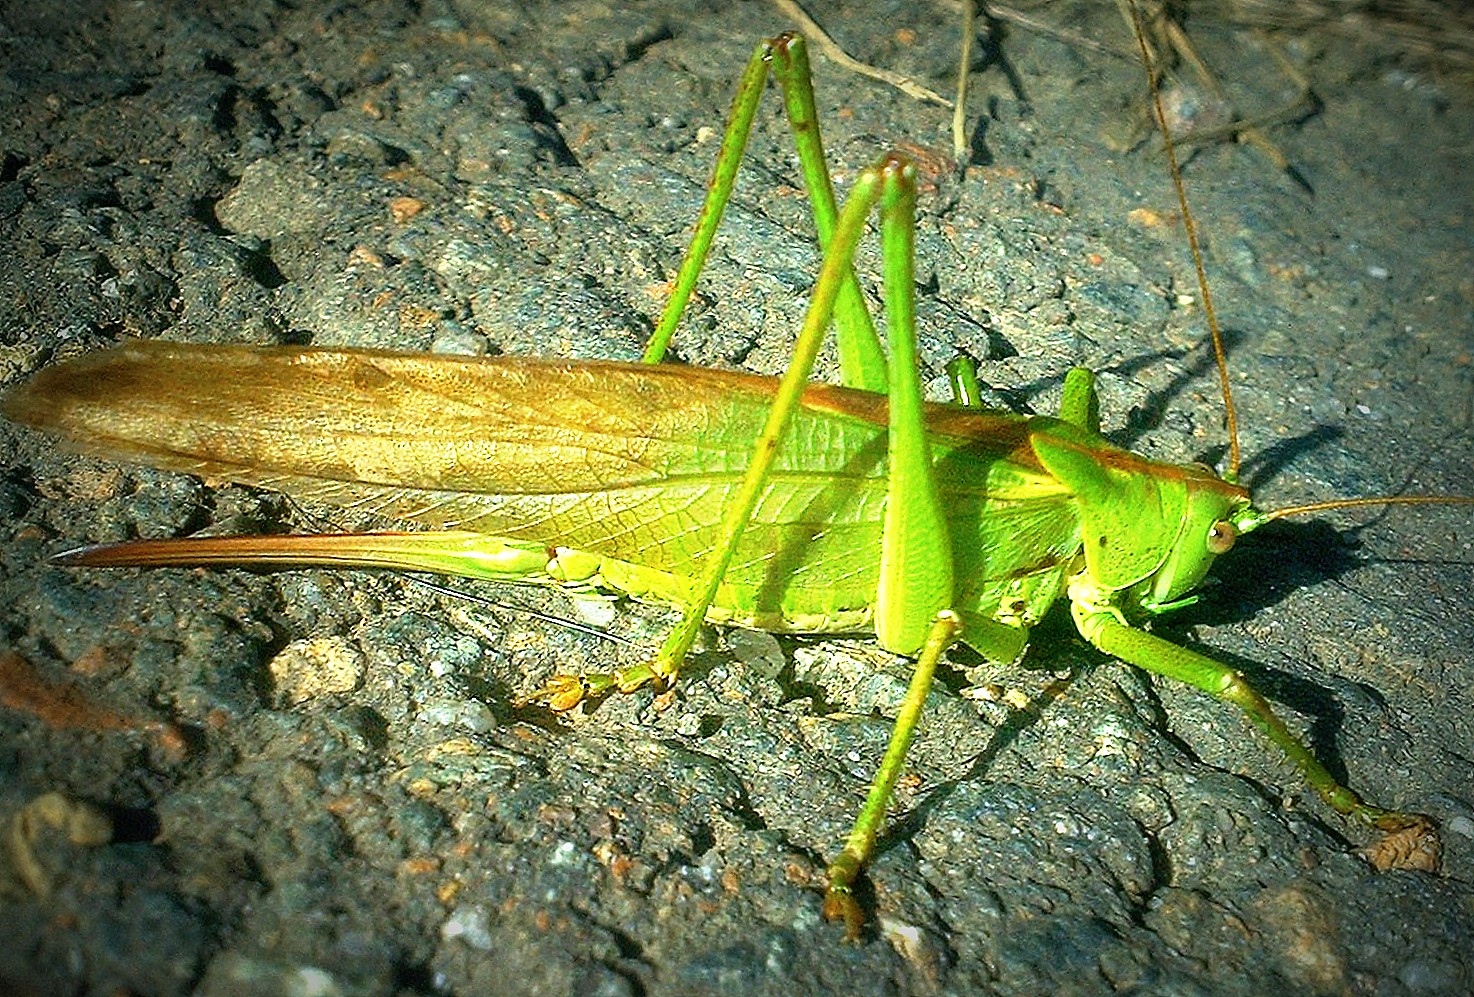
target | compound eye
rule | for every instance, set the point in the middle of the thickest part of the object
(1221, 537)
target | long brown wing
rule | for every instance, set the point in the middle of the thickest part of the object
(630, 460)
(625, 459)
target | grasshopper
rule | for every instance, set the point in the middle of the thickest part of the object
(743, 500)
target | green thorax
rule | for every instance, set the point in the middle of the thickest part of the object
(1150, 530)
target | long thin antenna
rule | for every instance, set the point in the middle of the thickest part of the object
(1354, 503)
(1219, 353)
(964, 65)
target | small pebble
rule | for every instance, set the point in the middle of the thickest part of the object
(308, 669)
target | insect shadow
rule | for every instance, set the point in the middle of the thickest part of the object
(1152, 412)
(1268, 566)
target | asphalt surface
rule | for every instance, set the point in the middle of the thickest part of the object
(319, 783)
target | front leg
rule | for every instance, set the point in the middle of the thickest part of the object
(1410, 841)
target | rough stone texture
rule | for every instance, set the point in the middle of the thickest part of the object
(239, 171)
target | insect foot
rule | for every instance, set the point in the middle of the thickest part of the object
(1409, 841)
(564, 692)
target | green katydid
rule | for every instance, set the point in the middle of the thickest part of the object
(793, 506)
